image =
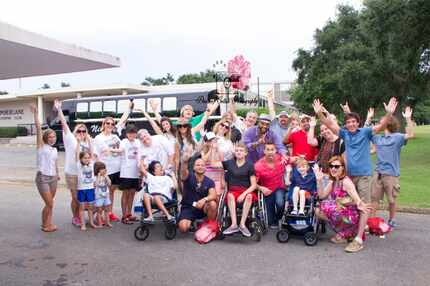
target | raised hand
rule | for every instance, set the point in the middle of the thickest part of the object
(345, 108)
(269, 94)
(370, 113)
(317, 105)
(391, 106)
(154, 105)
(318, 173)
(407, 114)
(57, 105)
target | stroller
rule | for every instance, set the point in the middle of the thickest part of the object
(307, 226)
(142, 231)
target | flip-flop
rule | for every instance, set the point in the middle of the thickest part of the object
(338, 240)
(47, 229)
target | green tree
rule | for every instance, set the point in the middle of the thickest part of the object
(168, 79)
(366, 56)
(202, 77)
(65, 84)
(45, 86)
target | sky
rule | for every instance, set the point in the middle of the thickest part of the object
(153, 38)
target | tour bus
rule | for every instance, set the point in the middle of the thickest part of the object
(92, 110)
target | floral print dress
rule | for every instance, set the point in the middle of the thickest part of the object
(343, 219)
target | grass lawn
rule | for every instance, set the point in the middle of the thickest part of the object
(415, 170)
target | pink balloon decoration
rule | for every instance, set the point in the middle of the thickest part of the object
(239, 70)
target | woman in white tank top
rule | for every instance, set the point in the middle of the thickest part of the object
(47, 170)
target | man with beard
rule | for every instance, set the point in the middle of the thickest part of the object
(299, 141)
(280, 124)
(256, 137)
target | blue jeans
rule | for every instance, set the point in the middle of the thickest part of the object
(275, 203)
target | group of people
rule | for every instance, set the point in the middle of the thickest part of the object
(280, 156)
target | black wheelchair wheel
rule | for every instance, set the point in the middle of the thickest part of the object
(282, 236)
(310, 238)
(170, 232)
(141, 233)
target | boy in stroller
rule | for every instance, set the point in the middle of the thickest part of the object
(303, 186)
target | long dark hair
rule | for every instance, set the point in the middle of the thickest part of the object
(172, 127)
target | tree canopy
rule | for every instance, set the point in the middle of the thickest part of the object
(366, 56)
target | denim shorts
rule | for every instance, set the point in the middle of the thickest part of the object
(102, 202)
(86, 196)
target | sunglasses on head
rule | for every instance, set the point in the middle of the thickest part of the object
(81, 131)
(334, 166)
(183, 125)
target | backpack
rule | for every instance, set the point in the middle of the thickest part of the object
(207, 231)
(377, 226)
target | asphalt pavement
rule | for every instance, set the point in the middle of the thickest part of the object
(69, 256)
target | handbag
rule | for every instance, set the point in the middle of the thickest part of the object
(207, 231)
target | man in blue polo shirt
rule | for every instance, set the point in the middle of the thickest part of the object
(386, 176)
(358, 162)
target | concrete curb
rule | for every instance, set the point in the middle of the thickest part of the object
(424, 211)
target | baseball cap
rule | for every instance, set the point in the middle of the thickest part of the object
(283, 113)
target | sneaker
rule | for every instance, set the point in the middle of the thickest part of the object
(149, 220)
(392, 223)
(76, 221)
(171, 220)
(113, 217)
(294, 212)
(302, 213)
(230, 230)
(273, 226)
(245, 231)
(354, 246)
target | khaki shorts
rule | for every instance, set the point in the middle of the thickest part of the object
(72, 182)
(362, 184)
(46, 183)
(385, 184)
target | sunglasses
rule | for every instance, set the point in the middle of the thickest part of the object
(183, 125)
(225, 126)
(81, 131)
(334, 166)
(109, 123)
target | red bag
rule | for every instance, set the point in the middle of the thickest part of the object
(207, 231)
(377, 226)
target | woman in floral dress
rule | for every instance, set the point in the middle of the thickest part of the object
(341, 203)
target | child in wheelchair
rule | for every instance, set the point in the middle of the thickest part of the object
(159, 191)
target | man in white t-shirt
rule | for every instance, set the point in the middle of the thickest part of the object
(156, 148)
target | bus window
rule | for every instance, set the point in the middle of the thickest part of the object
(109, 108)
(169, 107)
(122, 106)
(82, 110)
(139, 103)
(96, 109)
(169, 103)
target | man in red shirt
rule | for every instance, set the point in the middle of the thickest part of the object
(270, 171)
(299, 141)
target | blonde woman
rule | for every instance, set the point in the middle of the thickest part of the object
(47, 170)
(71, 140)
(222, 130)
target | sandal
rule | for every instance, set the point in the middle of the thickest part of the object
(131, 218)
(125, 220)
(48, 229)
(338, 239)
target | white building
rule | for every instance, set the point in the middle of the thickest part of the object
(26, 54)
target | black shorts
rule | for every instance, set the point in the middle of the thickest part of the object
(114, 178)
(126, 184)
(190, 213)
